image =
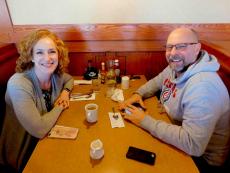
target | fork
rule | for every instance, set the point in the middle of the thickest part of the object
(114, 114)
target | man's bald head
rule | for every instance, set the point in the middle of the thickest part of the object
(182, 49)
(182, 35)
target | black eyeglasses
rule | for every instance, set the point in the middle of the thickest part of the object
(180, 46)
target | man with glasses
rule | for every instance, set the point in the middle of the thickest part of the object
(194, 96)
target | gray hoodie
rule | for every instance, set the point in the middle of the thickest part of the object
(199, 101)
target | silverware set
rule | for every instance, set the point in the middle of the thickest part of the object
(81, 95)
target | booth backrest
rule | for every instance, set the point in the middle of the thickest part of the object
(224, 61)
(8, 56)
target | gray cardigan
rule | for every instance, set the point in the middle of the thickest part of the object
(26, 117)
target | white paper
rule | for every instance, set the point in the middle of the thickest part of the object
(82, 82)
(63, 132)
(116, 122)
(83, 97)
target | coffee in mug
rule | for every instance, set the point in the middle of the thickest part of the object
(91, 112)
(91, 107)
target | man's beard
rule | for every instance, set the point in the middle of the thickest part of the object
(177, 63)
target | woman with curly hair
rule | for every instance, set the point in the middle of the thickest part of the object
(35, 97)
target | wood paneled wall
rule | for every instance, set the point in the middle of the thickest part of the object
(147, 63)
(139, 47)
(118, 37)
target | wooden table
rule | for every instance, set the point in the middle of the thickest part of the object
(60, 155)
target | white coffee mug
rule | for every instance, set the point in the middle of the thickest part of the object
(125, 82)
(91, 114)
(96, 149)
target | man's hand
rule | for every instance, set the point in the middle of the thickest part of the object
(136, 115)
(135, 98)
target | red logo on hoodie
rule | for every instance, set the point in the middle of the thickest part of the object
(168, 89)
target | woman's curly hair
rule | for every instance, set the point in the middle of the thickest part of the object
(25, 49)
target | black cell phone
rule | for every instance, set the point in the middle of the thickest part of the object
(136, 105)
(141, 155)
(139, 106)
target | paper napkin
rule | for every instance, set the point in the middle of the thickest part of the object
(118, 95)
(116, 122)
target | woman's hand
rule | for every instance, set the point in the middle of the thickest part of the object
(135, 116)
(63, 100)
(135, 98)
